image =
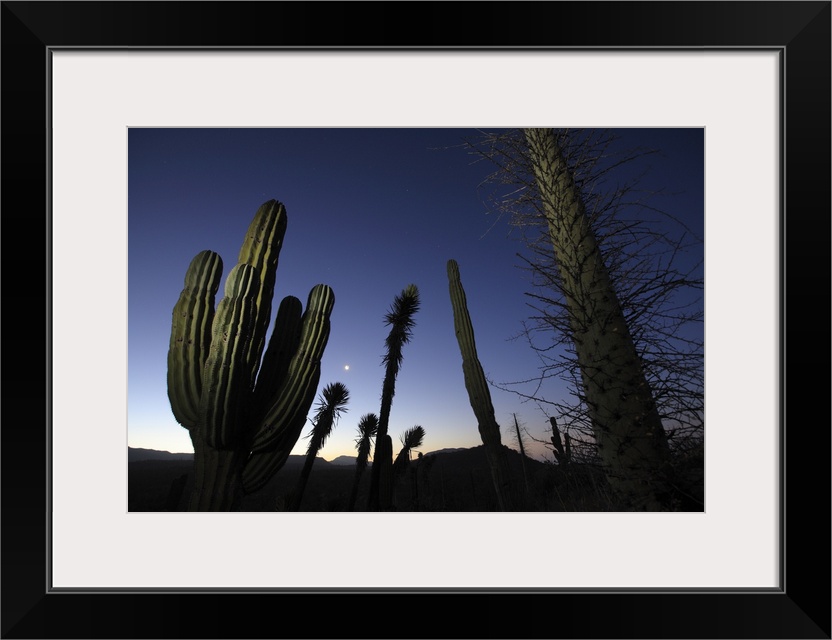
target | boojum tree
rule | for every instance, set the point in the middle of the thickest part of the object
(243, 416)
(653, 263)
(628, 429)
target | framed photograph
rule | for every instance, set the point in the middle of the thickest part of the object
(79, 77)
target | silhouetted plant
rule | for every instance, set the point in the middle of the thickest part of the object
(331, 405)
(562, 454)
(367, 429)
(177, 487)
(401, 323)
(521, 444)
(384, 451)
(410, 439)
(479, 394)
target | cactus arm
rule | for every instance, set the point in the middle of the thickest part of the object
(298, 390)
(262, 465)
(278, 356)
(261, 249)
(225, 378)
(259, 470)
(190, 336)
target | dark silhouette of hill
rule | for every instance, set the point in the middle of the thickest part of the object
(445, 480)
(136, 454)
(455, 480)
(343, 461)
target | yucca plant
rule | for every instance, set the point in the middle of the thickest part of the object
(410, 439)
(367, 429)
(400, 320)
(331, 405)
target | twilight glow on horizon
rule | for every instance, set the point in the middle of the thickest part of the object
(369, 212)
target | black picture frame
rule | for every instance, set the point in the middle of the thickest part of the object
(800, 31)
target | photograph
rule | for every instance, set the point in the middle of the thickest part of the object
(405, 305)
(416, 319)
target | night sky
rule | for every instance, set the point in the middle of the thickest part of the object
(369, 212)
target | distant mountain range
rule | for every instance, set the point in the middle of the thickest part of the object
(144, 455)
(451, 479)
(343, 461)
(138, 455)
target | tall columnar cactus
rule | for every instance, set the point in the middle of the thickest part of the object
(479, 395)
(243, 418)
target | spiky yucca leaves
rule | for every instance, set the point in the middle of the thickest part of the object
(367, 429)
(410, 439)
(401, 323)
(216, 385)
(331, 405)
(479, 394)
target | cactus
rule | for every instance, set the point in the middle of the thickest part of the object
(243, 418)
(478, 393)
(561, 455)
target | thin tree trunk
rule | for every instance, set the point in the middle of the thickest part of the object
(522, 453)
(359, 471)
(297, 495)
(384, 447)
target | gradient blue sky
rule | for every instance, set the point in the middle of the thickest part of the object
(369, 211)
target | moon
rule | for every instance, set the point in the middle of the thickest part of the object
(346, 367)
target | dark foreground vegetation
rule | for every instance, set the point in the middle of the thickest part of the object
(450, 481)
